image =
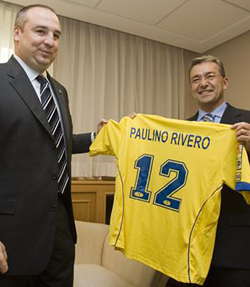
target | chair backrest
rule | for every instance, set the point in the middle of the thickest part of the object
(90, 241)
(93, 248)
(133, 272)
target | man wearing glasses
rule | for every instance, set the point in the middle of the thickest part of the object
(230, 265)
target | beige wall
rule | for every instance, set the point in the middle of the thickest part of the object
(235, 55)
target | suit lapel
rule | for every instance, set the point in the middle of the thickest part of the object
(193, 118)
(21, 83)
(231, 115)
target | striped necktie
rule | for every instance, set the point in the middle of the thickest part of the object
(207, 118)
(54, 121)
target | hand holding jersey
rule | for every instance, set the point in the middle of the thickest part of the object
(243, 134)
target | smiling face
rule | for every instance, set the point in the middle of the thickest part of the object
(208, 85)
(37, 42)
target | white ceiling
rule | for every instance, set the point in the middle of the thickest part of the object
(195, 25)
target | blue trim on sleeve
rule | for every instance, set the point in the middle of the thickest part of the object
(242, 186)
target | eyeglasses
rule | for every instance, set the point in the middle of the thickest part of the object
(207, 77)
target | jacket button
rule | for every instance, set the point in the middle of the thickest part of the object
(53, 207)
(54, 176)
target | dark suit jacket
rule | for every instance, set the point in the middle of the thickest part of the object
(232, 247)
(28, 170)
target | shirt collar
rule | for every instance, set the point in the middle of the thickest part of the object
(218, 112)
(32, 74)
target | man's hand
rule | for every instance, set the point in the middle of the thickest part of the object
(133, 115)
(102, 123)
(3, 259)
(243, 133)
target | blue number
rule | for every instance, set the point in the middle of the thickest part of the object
(164, 196)
(144, 166)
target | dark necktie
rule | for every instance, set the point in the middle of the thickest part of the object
(207, 118)
(54, 121)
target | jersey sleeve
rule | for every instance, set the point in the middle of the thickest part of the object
(239, 179)
(243, 174)
(107, 141)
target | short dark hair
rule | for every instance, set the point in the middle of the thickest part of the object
(207, 59)
(21, 14)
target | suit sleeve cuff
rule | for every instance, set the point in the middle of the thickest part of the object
(93, 135)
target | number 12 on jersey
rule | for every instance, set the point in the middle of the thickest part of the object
(164, 196)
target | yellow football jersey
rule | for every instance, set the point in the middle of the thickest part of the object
(169, 179)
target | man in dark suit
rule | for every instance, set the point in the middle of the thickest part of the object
(37, 231)
(230, 265)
